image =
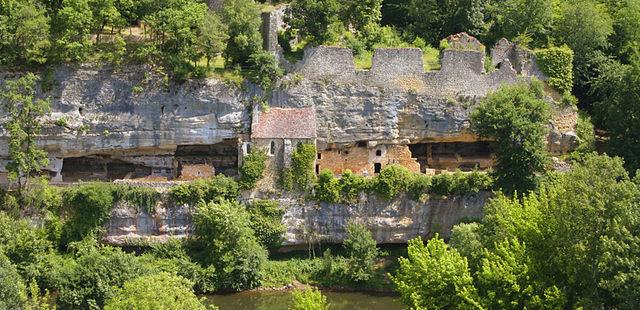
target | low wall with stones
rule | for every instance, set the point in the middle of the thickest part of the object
(395, 221)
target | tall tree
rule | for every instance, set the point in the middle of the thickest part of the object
(242, 17)
(24, 124)
(516, 117)
(24, 33)
(435, 277)
(512, 18)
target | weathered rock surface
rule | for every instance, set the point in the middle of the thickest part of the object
(395, 221)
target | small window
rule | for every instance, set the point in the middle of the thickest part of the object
(319, 156)
(379, 153)
(346, 152)
(272, 148)
(162, 110)
(362, 143)
(81, 111)
(377, 167)
(317, 169)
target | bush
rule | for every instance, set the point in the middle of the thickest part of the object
(419, 186)
(224, 228)
(557, 64)
(328, 187)
(351, 185)
(12, 289)
(20, 242)
(252, 168)
(266, 222)
(459, 183)
(159, 291)
(88, 207)
(309, 299)
(264, 70)
(362, 252)
(302, 169)
(391, 181)
(98, 271)
(216, 189)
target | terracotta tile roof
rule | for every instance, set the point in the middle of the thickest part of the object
(279, 123)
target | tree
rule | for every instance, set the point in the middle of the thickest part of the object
(362, 252)
(585, 26)
(434, 20)
(104, 14)
(313, 18)
(618, 91)
(360, 13)
(213, 36)
(242, 17)
(513, 18)
(516, 117)
(72, 29)
(224, 229)
(24, 110)
(24, 34)
(435, 277)
(506, 280)
(159, 291)
(328, 187)
(309, 299)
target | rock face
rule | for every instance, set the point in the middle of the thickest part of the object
(395, 221)
(133, 121)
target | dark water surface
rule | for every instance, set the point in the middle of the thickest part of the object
(269, 300)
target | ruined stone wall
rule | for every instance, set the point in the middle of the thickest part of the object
(395, 221)
(362, 160)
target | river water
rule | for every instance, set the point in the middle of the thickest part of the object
(279, 300)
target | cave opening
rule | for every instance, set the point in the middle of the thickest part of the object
(205, 160)
(101, 168)
(465, 156)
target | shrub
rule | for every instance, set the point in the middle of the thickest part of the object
(459, 183)
(159, 291)
(20, 242)
(328, 187)
(252, 168)
(88, 207)
(12, 289)
(391, 181)
(362, 252)
(302, 169)
(351, 185)
(266, 222)
(224, 228)
(557, 64)
(264, 70)
(216, 189)
(98, 271)
(419, 186)
(286, 179)
(309, 299)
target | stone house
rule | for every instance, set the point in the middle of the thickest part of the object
(277, 131)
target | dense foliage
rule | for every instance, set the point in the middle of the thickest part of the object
(394, 180)
(516, 117)
(252, 169)
(224, 228)
(571, 244)
(18, 100)
(159, 291)
(309, 299)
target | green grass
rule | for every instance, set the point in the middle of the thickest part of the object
(431, 58)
